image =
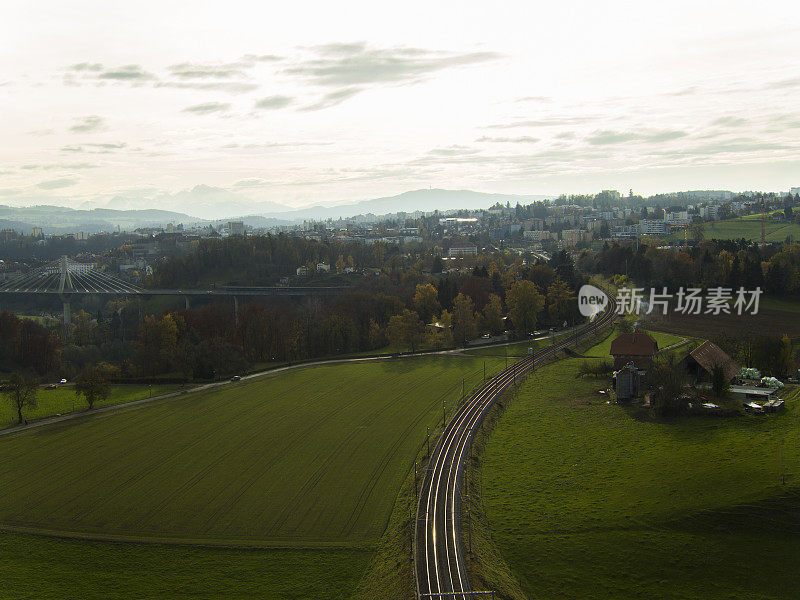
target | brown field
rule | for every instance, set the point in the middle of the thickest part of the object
(768, 321)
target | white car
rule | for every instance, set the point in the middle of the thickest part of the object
(63, 381)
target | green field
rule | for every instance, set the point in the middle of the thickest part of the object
(63, 400)
(749, 227)
(591, 500)
(311, 457)
(42, 568)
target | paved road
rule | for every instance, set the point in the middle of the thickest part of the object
(439, 559)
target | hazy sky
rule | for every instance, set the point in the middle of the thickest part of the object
(306, 102)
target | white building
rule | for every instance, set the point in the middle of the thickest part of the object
(709, 212)
(462, 250)
(653, 227)
(235, 228)
(538, 235)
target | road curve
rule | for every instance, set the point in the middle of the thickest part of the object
(439, 560)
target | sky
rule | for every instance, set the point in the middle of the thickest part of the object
(237, 107)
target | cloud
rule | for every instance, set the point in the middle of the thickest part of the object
(96, 72)
(55, 184)
(608, 138)
(784, 84)
(52, 166)
(454, 150)
(10, 192)
(208, 108)
(546, 122)
(355, 64)
(206, 71)
(730, 122)
(736, 146)
(333, 98)
(256, 58)
(535, 99)
(126, 73)
(525, 139)
(250, 183)
(85, 66)
(235, 87)
(274, 102)
(96, 148)
(88, 124)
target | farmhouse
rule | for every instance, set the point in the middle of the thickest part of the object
(637, 348)
(701, 361)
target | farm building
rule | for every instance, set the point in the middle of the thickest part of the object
(700, 362)
(636, 347)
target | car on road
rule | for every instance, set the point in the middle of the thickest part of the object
(52, 386)
(236, 378)
(487, 336)
(63, 381)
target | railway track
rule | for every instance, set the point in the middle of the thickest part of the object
(439, 558)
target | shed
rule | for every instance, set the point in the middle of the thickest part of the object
(701, 361)
(628, 382)
(636, 347)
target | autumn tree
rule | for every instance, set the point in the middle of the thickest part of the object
(21, 391)
(426, 302)
(157, 344)
(93, 385)
(524, 303)
(441, 335)
(405, 329)
(465, 326)
(493, 314)
(560, 300)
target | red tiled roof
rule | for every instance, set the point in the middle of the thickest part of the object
(633, 344)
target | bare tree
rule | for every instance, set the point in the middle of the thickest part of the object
(22, 390)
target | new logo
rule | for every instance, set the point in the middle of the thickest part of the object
(591, 300)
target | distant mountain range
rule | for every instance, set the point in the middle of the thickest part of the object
(417, 200)
(57, 219)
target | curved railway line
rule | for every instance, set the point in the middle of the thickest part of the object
(439, 559)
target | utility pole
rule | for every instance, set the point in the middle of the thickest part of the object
(428, 440)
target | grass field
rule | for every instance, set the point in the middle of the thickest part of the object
(587, 501)
(312, 457)
(749, 227)
(41, 568)
(63, 400)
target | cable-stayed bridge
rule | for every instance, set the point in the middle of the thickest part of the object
(66, 277)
